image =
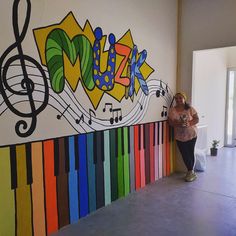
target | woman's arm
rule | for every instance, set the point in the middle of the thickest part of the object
(195, 120)
(172, 121)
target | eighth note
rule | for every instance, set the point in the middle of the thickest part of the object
(161, 91)
(108, 104)
(164, 111)
(59, 116)
(78, 120)
(90, 116)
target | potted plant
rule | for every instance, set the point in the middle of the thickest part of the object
(214, 149)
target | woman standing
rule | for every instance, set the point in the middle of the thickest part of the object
(184, 118)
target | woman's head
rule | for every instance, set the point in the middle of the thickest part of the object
(180, 99)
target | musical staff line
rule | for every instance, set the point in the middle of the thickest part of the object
(67, 97)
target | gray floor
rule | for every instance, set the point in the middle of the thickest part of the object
(172, 206)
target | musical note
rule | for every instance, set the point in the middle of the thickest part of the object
(118, 117)
(158, 93)
(108, 104)
(27, 85)
(164, 111)
(141, 106)
(59, 116)
(78, 120)
(90, 116)
(161, 91)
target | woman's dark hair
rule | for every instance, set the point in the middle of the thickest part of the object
(186, 106)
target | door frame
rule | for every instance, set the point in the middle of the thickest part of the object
(226, 109)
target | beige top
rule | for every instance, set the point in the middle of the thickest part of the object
(183, 133)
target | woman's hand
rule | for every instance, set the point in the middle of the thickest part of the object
(176, 123)
(187, 123)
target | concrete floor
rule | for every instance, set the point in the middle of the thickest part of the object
(206, 207)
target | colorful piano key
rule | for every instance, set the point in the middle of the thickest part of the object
(91, 173)
(37, 189)
(7, 199)
(107, 169)
(50, 188)
(73, 181)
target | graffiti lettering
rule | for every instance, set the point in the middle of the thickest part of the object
(124, 51)
(105, 80)
(119, 71)
(57, 43)
(135, 71)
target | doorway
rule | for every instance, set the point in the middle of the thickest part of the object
(230, 112)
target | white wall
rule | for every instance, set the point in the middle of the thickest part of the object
(209, 90)
(204, 24)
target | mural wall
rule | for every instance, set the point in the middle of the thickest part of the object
(82, 109)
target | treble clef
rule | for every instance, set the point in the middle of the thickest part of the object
(22, 128)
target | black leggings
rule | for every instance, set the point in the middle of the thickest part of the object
(187, 151)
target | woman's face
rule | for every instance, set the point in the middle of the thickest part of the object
(179, 99)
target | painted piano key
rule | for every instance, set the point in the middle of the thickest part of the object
(131, 158)
(91, 172)
(99, 169)
(142, 156)
(107, 168)
(147, 152)
(7, 202)
(126, 161)
(113, 163)
(37, 188)
(62, 184)
(151, 151)
(156, 150)
(83, 178)
(137, 157)
(120, 164)
(73, 182)
(50, 187)
(23, 195)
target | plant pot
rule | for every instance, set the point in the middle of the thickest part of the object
(214, 151)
